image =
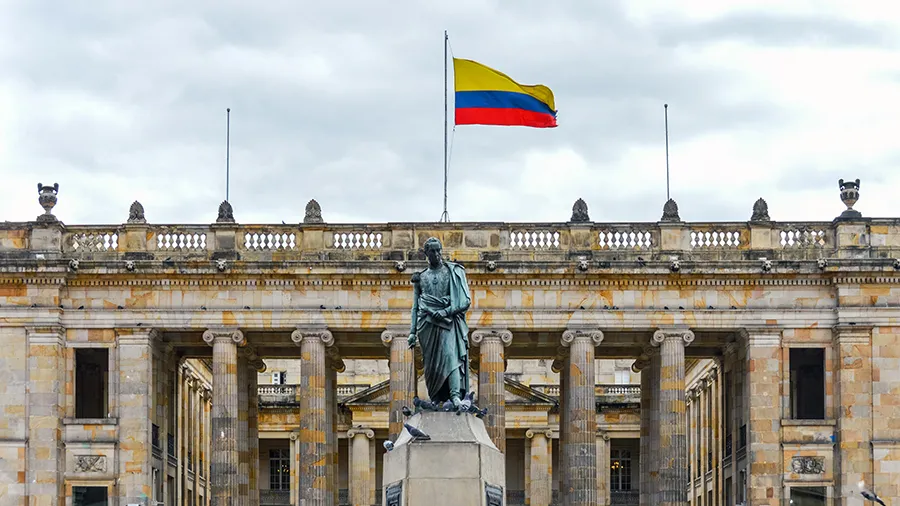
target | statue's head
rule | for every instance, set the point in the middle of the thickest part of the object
(432, 249)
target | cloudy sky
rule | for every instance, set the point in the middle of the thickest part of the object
(342, 102)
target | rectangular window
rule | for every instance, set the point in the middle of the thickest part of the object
(91, 380)
(807, 383)
(728, 499)
(742, 492)
(279, 469)
(620, 470)
(808, 496)
(89, 496)
(623, 377)
(279, 377)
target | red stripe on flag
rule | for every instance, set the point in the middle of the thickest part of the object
(504, 117)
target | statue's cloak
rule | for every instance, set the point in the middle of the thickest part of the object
(445, 341)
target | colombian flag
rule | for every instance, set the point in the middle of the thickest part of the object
(485, 96)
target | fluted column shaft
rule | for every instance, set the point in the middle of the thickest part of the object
(655, 455)
(256, 366)
(642, 366)
(313, 443)
(243, 445)
(360, 469)
(581, 444)
(674, 476)
(561, 365)
(295, 474)
(540, 491)
(603, 474)
(491, 384)
(224, 458)
(402, 380)
(331, 445)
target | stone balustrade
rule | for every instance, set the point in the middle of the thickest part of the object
(473, 242)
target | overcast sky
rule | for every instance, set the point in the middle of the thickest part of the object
(342, 101)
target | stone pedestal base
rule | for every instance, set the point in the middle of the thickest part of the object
(459, 465)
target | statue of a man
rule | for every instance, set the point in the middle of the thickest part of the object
(440, 301)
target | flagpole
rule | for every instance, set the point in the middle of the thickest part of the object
(445, 217)
(227, 152)
(666, 112)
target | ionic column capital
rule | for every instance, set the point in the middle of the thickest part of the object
(489, 335)
(570, 335)
(713, 374)
(547, 432)
(305, 334)
(558, 364)
(361, 431)
(334, 360)
(212, 335)
(294, 436)
(663, 335)
(392, 333)
(602, 434)
(253, 360)
(640, 364)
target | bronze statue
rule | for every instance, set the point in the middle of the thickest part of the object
(440, 301)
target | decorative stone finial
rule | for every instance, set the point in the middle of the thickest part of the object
(580, 212)
(760, 211)
(136, 213)
(226, 213)
(670, 212)
(313, 212)
(47, 199)
(849, 196)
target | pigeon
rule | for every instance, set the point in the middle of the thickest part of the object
(406, 411)
(641, 261)
(119, 307)
(868, 494)
(388, 445)
(416, 433)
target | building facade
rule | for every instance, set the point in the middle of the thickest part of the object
(645, 363)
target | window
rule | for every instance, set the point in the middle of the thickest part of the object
(623, 377)
(279, 469)
(808, 496)
(742, 492)
(728, 499)
(279, 377)
(89, 496)
(91, 379)
(620, 470)
(807, 383)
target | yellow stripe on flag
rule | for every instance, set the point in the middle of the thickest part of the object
(473, 76)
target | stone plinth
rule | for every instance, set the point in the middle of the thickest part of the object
(458, 465)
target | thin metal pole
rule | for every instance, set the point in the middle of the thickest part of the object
(445, 216)
(666, 109)
(227, 153)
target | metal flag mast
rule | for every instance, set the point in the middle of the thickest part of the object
(445, 217)
(666, 112)
(227, 153)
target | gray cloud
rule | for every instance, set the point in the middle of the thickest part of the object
(778, 29)
(342, 102)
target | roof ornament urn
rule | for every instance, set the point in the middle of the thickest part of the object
(849, 196)
(47, 200)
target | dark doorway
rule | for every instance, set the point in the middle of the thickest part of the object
(89, 496)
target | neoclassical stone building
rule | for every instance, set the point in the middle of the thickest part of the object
(643, 363)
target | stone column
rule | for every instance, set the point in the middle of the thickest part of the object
(257, 366)
(331, 436)
(372, 478)
(673, 482)
(603, 475)
(360, 479)
(581, 452)
(243, 431)
(224, 437)
(194, 434)
(642, 366)
(764, 452)
(313, 444)
(853, 345)
(717, 443)
(136, 381)
(540, 491)
(561, 366)
(491, 385)
(690, 406)
(653, 466)
(403, 377)
(295, 475)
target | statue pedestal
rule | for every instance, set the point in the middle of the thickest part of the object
(459, 466)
